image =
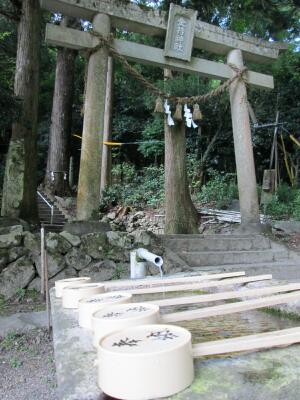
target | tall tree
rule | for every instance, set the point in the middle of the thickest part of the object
(19, 189)
(180, 213)
(61, 118)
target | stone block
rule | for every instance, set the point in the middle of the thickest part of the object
(55, 243)
(101, 271)
(11, 239)
(77, 259)
(16, 252)
(32, 243)
(120, 239)
(56, 263)
(3, 259)
(16, 275)
(84, 227)
(95, 245)
(74, 240)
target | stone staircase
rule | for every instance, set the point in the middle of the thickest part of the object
(255, 254)
(58, 219)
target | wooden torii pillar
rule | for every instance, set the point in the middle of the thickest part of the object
(236, 47)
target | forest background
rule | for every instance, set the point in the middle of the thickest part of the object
(138, 167)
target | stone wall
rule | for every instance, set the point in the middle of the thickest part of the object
(77, 251)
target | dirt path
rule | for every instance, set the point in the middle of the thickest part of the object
(27, 369)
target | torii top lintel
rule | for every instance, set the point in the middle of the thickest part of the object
(154, 23)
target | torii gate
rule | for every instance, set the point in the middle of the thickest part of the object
(183, 32)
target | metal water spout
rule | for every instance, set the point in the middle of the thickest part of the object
(138, 259)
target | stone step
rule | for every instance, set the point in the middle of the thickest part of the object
(56, 216)
(286, 270)
(53, 227)
(216, 243)
(210, 258)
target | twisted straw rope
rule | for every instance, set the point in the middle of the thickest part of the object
(107, 42)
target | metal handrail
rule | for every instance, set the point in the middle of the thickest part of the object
(51, 206)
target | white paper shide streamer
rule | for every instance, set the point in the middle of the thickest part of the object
(167, 107)
(188, 115)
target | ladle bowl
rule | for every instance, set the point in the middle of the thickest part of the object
(62, 283)
(72, 294)
(88, 306)
(118, 317)
(145, 362)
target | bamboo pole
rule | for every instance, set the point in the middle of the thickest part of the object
(46, 283)
(128, 284)
(260, 341)
(205, 298)
(201, 285)
(230, 308)
(43, 261)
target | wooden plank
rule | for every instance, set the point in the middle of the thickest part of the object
(169, 281)
(67, 37)
(230, 308)
(201, 285)
(260, 341)
(205, 298)
(151, 22)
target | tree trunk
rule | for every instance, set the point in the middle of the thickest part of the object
(181, 215)
(20, 182)
(56, 178)
(106, 152)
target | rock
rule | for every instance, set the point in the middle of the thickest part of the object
(95, 245)
(84, 227)
(112, 215)
(143, 238)
(11, 239)
(55, 243)
(17, 229)
(77, 259)
(32, 243)
(56, 263)
(7, 222)
(65, 202)
(74, 240)
(120, 239)
(101, 271)
(173, 263)
(117, 254)
(66, 273)
(16, 252)
(15, 276)
(289, 227)
(3, 259)
(35, 284)
(122, 271)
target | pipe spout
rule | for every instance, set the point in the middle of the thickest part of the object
(153, 258)
(137, 268)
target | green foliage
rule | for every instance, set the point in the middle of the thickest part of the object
(20, 293)
(2, 304)
(9, 341)
(141, 189)
(285, 203)
(221, 189)
(153, 135)
(277, 209)
(16, 363)
(119, 270)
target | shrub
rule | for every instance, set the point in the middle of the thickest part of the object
(221, 189)
(138, 189)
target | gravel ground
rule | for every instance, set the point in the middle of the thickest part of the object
(27, 369)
